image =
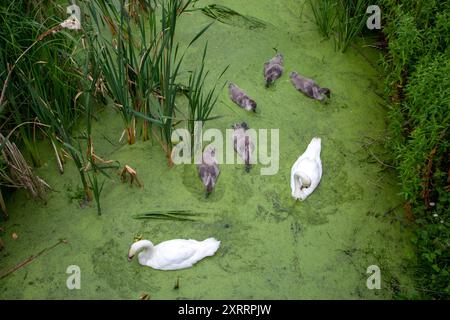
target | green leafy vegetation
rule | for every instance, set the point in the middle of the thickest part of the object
(417, 69)
(53, 79)
(201, 103)
(324, 15)
(343, 19)
(229, 16)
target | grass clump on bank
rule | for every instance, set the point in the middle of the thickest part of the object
(342, 19)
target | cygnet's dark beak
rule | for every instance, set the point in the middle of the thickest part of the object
(130, 258)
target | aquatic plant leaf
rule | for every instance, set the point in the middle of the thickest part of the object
(229, 16)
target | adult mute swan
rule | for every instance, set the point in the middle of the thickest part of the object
(307, 171)
(173, 254)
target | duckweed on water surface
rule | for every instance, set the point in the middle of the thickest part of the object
(271, 246)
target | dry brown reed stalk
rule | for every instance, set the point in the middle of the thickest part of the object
(93, 158)
(30, 259)
(167, 149)
(132, 174)
(20, 173)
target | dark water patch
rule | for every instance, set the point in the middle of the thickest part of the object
(278, 204)
(110, 265)
(296, 230)
(316, 219)
(270, 215)
(242, 187)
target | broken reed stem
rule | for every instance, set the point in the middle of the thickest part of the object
(30, 259)
(57, 156)
(378, 160)
(166, 149)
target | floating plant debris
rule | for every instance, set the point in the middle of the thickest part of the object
(183, 215)
(30, 259)
(231, 17)
(144, 296)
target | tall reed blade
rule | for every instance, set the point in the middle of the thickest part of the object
(324, 15)
(351, 18)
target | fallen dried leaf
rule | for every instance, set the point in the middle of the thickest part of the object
(144, 296)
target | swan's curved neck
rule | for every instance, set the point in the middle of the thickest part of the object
(143, 245)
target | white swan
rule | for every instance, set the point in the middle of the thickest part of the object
(307, 171)
(173, 254)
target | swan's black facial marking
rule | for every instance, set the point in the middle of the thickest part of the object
(130, 258)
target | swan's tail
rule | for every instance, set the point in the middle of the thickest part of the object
(313, 150)
(210, 246)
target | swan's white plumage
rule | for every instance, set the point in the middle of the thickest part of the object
(307, 168)
(173, 254)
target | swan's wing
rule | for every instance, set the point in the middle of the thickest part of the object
(312, 168)
(293, 170)
(174, 252)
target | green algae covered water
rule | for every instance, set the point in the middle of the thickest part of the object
(272, 247)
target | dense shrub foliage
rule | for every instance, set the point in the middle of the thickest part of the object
(417, 69)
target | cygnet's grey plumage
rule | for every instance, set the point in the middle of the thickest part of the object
(238, 96)
(309, 87)
(208, 170)
(273, 69)
(243, 144)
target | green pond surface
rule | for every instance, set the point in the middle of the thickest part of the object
(271, 246)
